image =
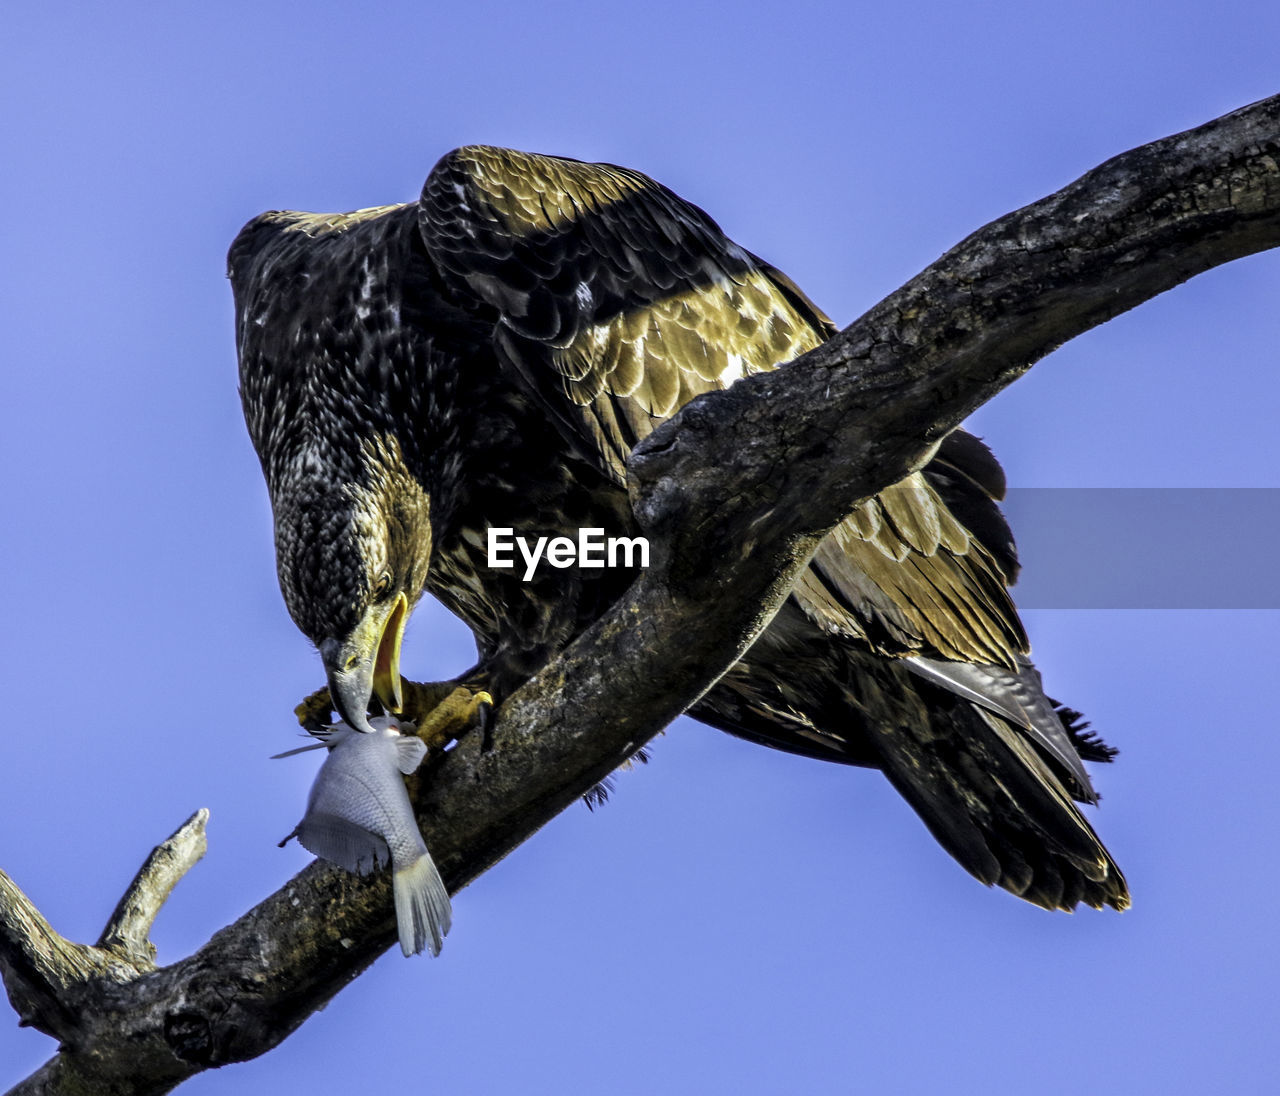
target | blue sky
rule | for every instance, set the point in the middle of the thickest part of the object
(735, 920)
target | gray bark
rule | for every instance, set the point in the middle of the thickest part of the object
(734, 494)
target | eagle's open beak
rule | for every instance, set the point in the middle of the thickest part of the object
(367, 661)
(386, 664)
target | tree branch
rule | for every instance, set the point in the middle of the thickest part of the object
(129, 926)
(735, 493)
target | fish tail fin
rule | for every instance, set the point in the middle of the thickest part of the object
(423, 911)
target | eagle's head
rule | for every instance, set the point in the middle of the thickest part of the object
(352, 554)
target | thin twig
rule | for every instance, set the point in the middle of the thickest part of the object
(129, 927)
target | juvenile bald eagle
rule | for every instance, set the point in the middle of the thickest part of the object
(413, 375)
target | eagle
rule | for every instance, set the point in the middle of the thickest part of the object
(486, 357)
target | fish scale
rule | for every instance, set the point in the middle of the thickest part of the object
(360, 818)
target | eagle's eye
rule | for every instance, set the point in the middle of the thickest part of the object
(382, 587)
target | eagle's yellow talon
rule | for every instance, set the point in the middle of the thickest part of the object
(315, 710)
(443, 710)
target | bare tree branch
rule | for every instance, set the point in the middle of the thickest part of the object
(128, 928)
(735, 493)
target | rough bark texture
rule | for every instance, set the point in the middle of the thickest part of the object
(735, 493)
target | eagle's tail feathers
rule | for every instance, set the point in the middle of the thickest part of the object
(991, 800)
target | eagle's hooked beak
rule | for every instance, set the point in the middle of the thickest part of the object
(367, 662)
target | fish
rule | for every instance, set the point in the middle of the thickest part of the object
(359, 817)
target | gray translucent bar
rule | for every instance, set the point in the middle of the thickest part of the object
(1146, 547)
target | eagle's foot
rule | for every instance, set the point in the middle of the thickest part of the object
(443, 710)
(315, 711)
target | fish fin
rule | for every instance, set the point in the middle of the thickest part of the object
(424, 914)
(410, 750)
(300, 749)
(328, 736)
(344, 843)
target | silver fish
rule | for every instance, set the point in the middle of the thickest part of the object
(359, 817)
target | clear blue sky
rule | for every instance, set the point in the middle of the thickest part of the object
(735, 920)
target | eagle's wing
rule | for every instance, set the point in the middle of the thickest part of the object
(615, 302)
